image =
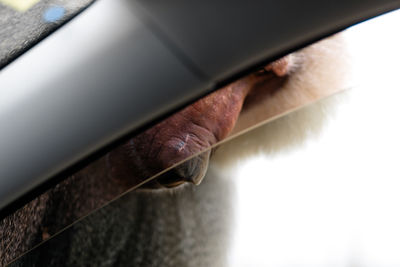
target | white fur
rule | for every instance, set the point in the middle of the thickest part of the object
(320, 186)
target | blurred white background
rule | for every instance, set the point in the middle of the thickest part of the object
(335, 199)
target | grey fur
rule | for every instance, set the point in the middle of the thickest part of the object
(186, 227)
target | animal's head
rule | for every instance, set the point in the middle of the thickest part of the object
(189, 132)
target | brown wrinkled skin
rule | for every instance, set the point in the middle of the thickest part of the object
(185, 133)
(188, 132)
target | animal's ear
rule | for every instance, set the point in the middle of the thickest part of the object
(280, 67)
